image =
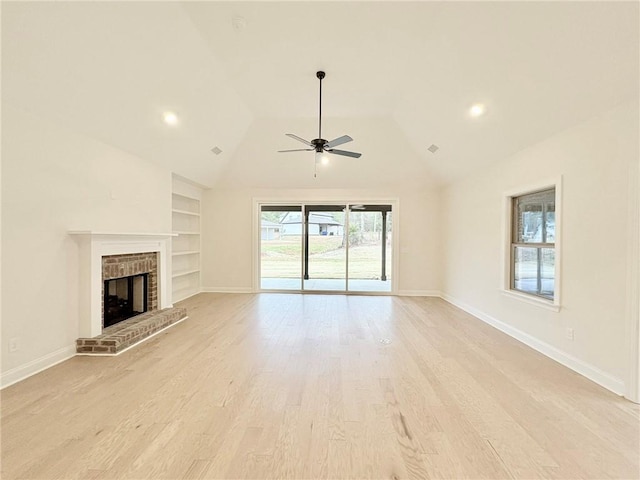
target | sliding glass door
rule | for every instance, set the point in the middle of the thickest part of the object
(325, 264)
(326, 247)
(281, 236)
(370, 248)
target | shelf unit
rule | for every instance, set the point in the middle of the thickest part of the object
(185, 247)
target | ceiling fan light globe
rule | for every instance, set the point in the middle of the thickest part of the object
(322, 158)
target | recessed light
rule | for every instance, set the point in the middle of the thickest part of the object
(477, 110)
(239, 23)
(170, 118)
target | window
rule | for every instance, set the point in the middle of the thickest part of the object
(533, 248)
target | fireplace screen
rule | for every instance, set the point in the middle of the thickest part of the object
(124, 298)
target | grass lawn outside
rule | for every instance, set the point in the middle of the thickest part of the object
(283, 259)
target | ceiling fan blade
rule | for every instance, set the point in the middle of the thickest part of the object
(297, 150)
(339, 141)
(344, 153)
(299, 139)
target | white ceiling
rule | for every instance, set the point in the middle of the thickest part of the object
(400, 76)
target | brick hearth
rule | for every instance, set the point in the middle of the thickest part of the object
(122, 335)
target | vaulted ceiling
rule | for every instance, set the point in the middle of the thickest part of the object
(400, 77)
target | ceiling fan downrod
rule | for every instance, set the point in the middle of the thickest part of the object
(320, 74)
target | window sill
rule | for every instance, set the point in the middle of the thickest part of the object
(539, 302)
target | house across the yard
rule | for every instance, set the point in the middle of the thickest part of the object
(269, 230)
(319, 224)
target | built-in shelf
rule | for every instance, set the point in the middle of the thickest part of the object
(185, 254)
(182, 274)
(190, 252)
(121, 234)
(185, 212)
(185, 203)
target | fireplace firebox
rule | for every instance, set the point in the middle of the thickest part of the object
(125, 297)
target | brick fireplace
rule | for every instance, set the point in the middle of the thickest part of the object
(112, 255)
(129, 265)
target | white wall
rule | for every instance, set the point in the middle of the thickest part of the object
(594, 160)
(228, 230)
(53, 181)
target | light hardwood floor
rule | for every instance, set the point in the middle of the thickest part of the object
(318, 386)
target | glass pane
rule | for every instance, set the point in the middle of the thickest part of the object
(367, 273)
(525, 271)
(529, 223)
(551, 223)
(281, 248)
(327, 265)
(548, 272)
(535, 217)
(534, 270)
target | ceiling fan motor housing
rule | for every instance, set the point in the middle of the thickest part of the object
(319, 144)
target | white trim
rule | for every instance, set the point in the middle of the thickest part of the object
(505, 281)
(189, 295)
(632, 332)
(256, 226)
(36, 366)
(226, 290)
(396, 218)
(419, 293)
(531, 299)
(135, 344)
(616, 385)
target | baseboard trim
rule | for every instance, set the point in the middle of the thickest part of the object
(419, 293)
(401, 293)
(226, 290)
(18, 374)
(181, 299)
(591, 372)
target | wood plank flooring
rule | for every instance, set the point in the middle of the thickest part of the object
(318, 386)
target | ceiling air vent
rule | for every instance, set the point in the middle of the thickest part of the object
(216, 150)
(433, 148)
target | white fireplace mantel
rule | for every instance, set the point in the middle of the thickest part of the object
(95, 245)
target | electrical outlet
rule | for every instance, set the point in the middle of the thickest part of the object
(14, 345)
(569, 333)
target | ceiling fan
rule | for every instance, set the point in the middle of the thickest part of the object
(320, 145)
